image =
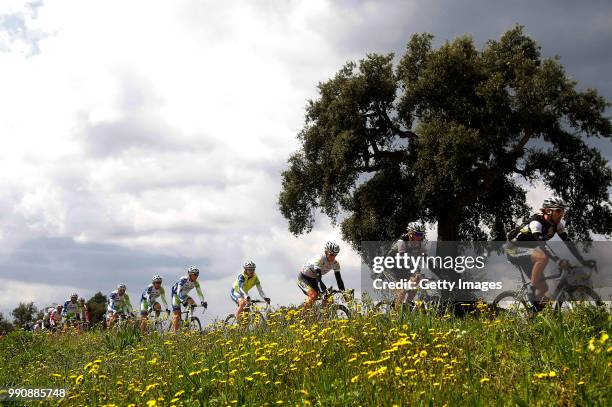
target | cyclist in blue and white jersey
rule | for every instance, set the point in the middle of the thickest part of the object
(148, 300)
(70, 310)
(118, 303)
(180, 291)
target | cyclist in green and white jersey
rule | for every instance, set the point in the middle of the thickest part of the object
(243, 283)
(148, 300)
(180, 291)
(118, 303)
(310, 277)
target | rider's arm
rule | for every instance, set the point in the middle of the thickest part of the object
(571, 246)
(260, 290)
(320, 279)
(127, 303)
(199, 291)
(241, 282)
(339, 280)
(163, 296)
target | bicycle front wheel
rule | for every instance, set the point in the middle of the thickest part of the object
(510, 303)
(230, 320)
(194, 324)
(573, 297)
(339, 311)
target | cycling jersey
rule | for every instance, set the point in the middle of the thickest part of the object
(181, 288)
(317, 267)
(537, 229)
(70, 309)
(320, 262)
(55, 317)
(149, 297)
(243, 284)
(119, 303)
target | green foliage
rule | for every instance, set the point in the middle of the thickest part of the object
(5, 326)
(97, 308)
(445, 137)
(24, 315)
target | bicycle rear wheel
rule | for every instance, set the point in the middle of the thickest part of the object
(510, 303)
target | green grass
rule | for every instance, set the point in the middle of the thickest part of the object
(371, 360)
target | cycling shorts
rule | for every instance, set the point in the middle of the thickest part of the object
(144, 306)
(176, 301)
(307, 283)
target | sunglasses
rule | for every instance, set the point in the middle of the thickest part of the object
(418, 234)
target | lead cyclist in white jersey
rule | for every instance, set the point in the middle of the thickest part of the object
(310, 277)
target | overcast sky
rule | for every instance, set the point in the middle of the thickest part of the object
(141, 137)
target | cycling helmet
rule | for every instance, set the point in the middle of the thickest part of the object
(121, 287)
(74, 295)
(554, 203)
(331, 247)
(156, 279)
(249, 265)
(415, 227)
(193, 270)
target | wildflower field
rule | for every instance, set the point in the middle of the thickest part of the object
(377, 360)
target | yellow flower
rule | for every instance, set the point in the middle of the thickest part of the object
(604, 337)
(552, 373)
(354, 379)
(484, 380)
(592, 344)
(151, 403)
(423, 353)
(261, 359)
(249, 378)
(153, 361)
(319, 363)
(56, 375)
(79, 379)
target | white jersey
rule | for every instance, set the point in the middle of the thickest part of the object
(319, 262)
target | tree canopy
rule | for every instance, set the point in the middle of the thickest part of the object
(449, 136)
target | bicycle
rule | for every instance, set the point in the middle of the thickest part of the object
(122, 320)
(565, 296)
(188, 321)
(253, 315)
(161, 322)
(329, 305)
(421, 302)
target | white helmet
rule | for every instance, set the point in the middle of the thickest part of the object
(331, 247)
(156, 279)
(554, 203)
(121, 287)
(193, 270)
(249, 265)
(74, 295)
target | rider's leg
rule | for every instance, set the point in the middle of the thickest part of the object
(399, 299)
(539, 260)
(176, 312)
(111, 319)
(242, 302)
(312, 295)
(143, 320)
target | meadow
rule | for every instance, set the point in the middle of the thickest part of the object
(371, 360)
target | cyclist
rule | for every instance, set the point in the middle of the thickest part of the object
(118, 304)
(148, 300)
(410, 243)
(180, 289)
(83, 314)
(527, 248)
(55, 317)
(243, 283)
(310, 277)
(70, 311)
